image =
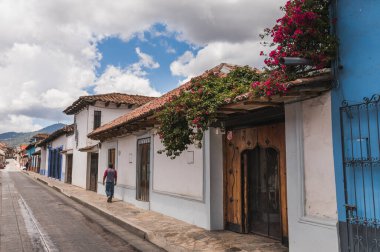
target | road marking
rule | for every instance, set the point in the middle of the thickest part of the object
(34, 228)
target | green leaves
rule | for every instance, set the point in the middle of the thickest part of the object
(184, 119)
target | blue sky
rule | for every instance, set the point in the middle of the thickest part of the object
(157, 42)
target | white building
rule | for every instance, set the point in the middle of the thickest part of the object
(90, 112)
(56, 154)
(271, 174)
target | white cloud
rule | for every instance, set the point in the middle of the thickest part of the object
(246, 53)
(115, 79)
(48, 53)
(145, 61)
(18, 123)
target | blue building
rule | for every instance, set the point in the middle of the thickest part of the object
(355, 122)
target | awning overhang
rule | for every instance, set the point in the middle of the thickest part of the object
(37, 153)
(91, 148)
(67, 151)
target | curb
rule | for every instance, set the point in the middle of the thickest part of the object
(135, 230)
(42, 181)
(138, 232)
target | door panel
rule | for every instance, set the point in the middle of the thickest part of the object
(143, 167)
(255, 181)
(94, 171)
(241, 139)
(263, 195)
(69, 168)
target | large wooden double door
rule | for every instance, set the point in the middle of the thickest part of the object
(255, 181)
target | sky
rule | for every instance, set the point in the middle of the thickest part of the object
(52, 52)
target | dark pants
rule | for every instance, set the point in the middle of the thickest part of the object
(109, 189)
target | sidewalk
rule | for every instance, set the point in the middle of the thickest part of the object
(166, 232)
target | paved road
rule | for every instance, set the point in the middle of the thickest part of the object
(34, 217)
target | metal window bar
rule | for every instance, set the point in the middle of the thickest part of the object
(361, 169)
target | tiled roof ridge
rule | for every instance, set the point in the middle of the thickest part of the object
(112, 93)
(121, 98)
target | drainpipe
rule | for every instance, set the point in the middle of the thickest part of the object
(295, 61)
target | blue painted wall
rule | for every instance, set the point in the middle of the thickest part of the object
(55, 162)
(358, 29)
(30, 151)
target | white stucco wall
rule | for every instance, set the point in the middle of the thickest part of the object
(43, 169)
(310, 176)
(85, 123)
(318, 158)
(70, 142)
(79, 171)
(178, 188)
(182, 176)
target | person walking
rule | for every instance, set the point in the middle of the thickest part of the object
(110, 177)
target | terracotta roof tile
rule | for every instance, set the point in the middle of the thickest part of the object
(158, 103)
(41, 135)
(68, 129)
(117, 98)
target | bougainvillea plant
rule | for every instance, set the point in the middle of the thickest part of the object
(185, 118)
(303, 31)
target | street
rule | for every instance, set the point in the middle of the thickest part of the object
(35, 217)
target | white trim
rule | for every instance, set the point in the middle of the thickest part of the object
(302, 217)
(324, 223)
(182, 196)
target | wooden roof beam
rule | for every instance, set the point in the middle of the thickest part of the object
(272, 104)
(232, 110)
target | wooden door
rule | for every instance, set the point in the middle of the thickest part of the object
(143, 166)
(69, 173)
(94, 171)
(255, 175)
(112, 157)
(59, 163)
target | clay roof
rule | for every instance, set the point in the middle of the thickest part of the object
(41, 135)
(312, 85)
(116, 98)
(68, 129)
(158, 103)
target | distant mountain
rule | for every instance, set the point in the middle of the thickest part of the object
(14, 139)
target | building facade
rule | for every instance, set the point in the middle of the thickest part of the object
(355, 125)
(53, 156)
(262, 176)
(90, 112)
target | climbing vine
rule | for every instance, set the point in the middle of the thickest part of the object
(303, 31)
(185, 118)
